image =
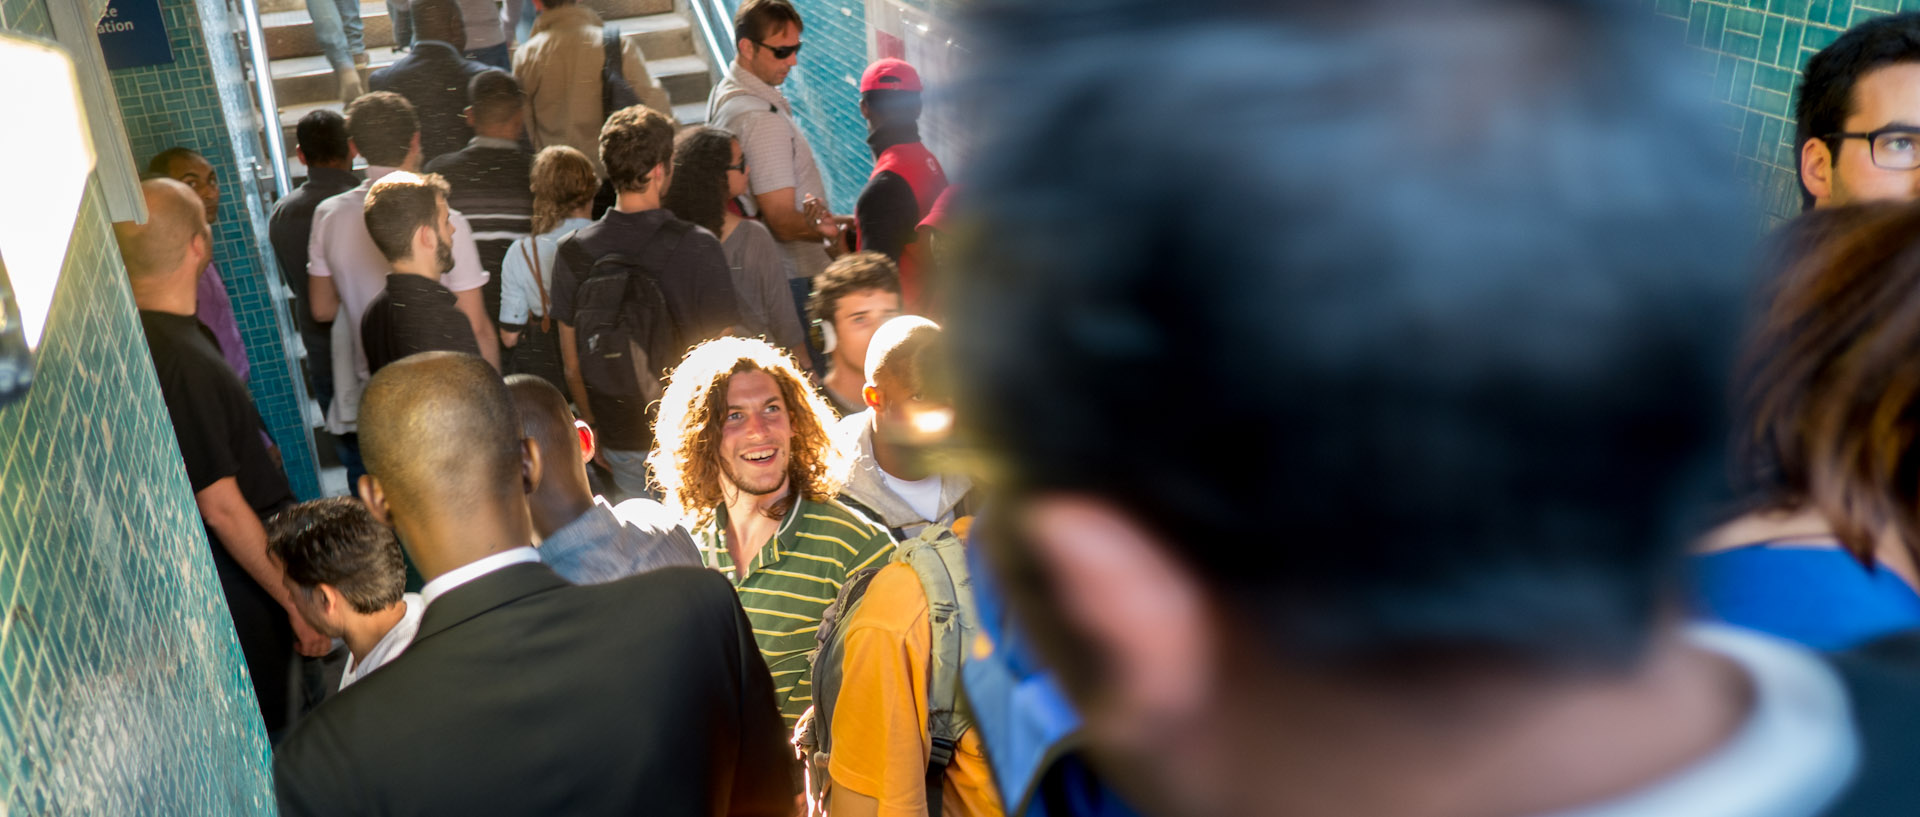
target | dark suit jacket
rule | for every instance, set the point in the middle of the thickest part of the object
(434, 78)
(523, 694)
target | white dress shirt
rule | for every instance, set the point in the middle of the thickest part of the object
(474, 570)
(391, 645)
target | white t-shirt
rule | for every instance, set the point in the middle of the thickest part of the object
(922, 495)
(391, 645)
(1796, 753)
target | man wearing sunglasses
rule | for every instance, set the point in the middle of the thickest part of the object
(1859, 115)
(783, 183)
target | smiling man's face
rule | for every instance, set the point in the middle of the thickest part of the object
(755, 436)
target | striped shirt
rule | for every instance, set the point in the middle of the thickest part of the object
(790, 583)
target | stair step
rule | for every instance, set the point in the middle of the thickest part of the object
(607, 9)
(307, 80)
(290, 33)
(685, 78)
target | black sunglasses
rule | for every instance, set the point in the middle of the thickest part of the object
(739, 168)
(780, 52)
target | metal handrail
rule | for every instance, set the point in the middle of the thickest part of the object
(263, 91)
(716, 27)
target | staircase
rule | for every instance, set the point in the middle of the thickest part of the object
(303, 81)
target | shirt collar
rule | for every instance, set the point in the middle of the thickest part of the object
(587, 527)
(752, 85)
(331, 176)
(474, 570)
(768, 555)
(493, 142)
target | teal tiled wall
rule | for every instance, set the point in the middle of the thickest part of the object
(1755, 50)
(122, 688)
(194, 101)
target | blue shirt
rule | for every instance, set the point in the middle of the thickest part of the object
(1819, 596)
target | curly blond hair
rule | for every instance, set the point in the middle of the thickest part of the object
(686, 438)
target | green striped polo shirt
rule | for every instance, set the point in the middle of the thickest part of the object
(791, 582)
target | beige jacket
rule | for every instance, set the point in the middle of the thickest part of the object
(559, 68)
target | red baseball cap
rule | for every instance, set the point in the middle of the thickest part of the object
(890, 74)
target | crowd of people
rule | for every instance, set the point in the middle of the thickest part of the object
(1331, 421)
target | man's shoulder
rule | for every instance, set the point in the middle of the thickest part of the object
(835, 518)
(894, 603)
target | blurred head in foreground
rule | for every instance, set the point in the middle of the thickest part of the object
(1377, 350)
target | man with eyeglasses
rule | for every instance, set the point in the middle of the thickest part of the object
(1859, 115)
(783, 183)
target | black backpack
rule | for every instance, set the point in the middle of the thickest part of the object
(615, 92)
(623, 332)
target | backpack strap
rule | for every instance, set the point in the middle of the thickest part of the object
(939, 559)
(577, 259)
(531, 252)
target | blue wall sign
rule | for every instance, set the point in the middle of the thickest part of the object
(132, 34)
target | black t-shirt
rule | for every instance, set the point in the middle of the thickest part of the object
(292, 224)
(220, 436)
(695, 282)
(413, 315)
(887, 215)
(220, 432)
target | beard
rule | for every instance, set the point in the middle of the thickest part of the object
(444, 255)
(753, 488)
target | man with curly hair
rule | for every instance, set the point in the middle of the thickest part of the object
(743, 448)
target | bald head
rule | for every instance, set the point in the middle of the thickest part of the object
(544, 417)
(165, 244)
(440, 435)
(899, 351)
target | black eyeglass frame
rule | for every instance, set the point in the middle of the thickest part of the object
(740, 167)
(1873, 136)
(780, 52)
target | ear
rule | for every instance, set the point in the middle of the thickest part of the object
(424, 237)
(589, 444)
(375, 498)
(871, 394)
(351, 153)
(1816, 169)
(467, 113)
(865, 112)
(1146, 613)
(302, 153)
(330, 598)
(529, 464)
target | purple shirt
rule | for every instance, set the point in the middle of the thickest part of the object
(215, 309)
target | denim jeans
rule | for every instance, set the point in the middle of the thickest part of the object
(336, 24)
(400, 14)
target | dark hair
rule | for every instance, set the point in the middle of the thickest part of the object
(544, 416)
(495, 96)
(162, 162)
(757, 20)
(698, 194)
(1826, 88)
(398, 205)
(1831, 376)
(1482, 376)
(439, 20)
(335, 541)
(383, 125)
(322, 136)
(848, 275)
(634, 141)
